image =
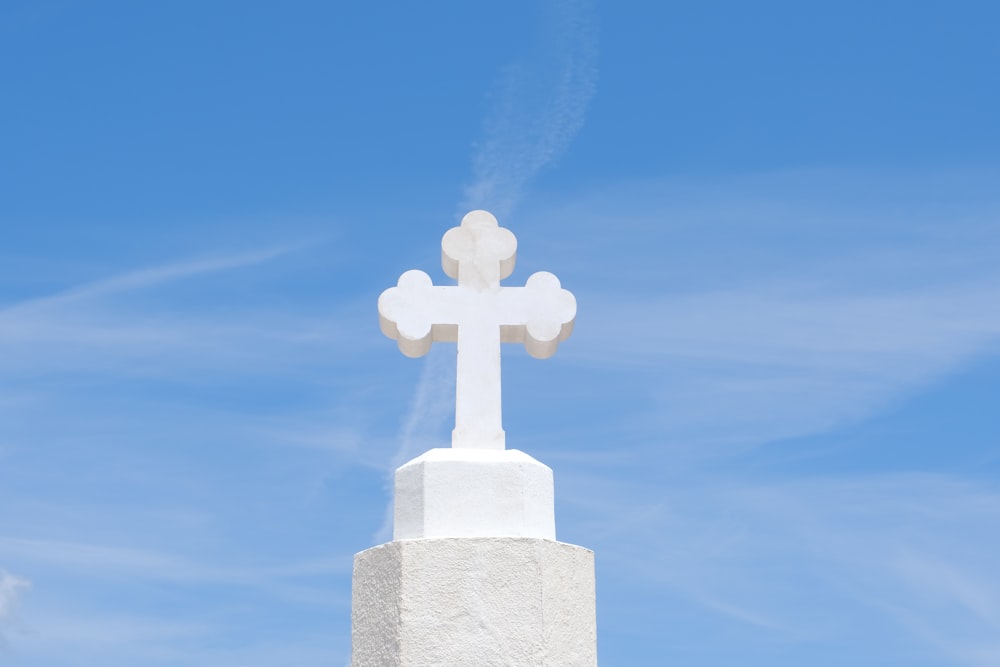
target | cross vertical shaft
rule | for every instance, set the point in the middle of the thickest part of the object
(478, 421)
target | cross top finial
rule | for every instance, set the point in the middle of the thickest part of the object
(479, 253)
(478, 314)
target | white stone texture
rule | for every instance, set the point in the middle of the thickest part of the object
(477, 314)
(474, 602)
(474, 493)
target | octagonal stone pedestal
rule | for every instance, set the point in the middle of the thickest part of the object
(456, 492)
(474, 602)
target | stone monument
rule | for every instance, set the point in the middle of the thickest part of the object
(474, 575)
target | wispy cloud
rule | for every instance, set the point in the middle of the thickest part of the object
(76, 313)
(75, 636)
(152, 276)
(754, 364)
(833, 557)
(536, 108)
(11, 589)
(776, 306)
(66, 626)
(133, 564)
(112, 325)
(432, 408)
(718, 318)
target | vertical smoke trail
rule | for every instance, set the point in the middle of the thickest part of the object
(432, 407)
(537, 108)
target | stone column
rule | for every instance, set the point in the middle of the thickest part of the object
(474, 576)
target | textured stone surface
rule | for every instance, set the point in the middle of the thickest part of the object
(474, 602)
(474, 493)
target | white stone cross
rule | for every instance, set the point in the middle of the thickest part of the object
(478, 314)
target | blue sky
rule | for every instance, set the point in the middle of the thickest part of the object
(776, 422)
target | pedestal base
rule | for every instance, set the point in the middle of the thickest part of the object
(473, 493)
(464, 602)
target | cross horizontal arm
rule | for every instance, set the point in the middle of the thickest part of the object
(540, 314)
(417, 313)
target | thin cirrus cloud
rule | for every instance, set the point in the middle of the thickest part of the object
(776, 315)
(152, 276)
(431, 408)
(536, 108)
(11, 589)
(52, 317)
(55, 630)
(118, 562)
(787, 309)
(908, 554)
(751, 364)
(107, 325)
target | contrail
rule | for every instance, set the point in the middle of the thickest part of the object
(433, 405)
(151, 277)
(537, 108)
